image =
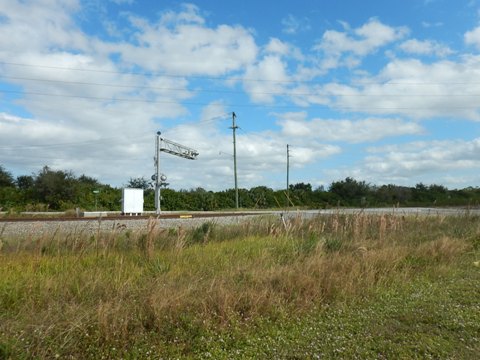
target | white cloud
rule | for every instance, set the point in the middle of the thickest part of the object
(446, 162)
(293, 25)
(427, 24)
(42, 25)
(102, 118)
(415, 89)
(121, 2)
(342, 130)
(358, 42)
(103, 100)
(266, 79)
(189, 14)
(33, 143)
(473, 37)
(424, 157)
(260, 155)
(276, 46)
(426, 47)
(181, 44)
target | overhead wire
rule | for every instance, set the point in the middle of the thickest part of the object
(133, 73)
(223, 91)
(66, 144)
(100, 141)
(204, 77)
(233, 105)
(178, 129)
(329, 95)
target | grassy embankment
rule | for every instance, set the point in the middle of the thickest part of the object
(334, 286)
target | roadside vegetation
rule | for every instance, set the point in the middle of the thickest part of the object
(337, 286)
(62, 190)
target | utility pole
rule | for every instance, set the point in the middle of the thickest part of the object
(234, 128)
(288, 174)
(157, 173)
(172, 148)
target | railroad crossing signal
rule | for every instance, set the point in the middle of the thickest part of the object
(172, 148)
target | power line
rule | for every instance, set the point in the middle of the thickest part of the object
(333, 106)
(164, 74)
(223, 91)
(145, 135)
(78, 143)
(148, 74)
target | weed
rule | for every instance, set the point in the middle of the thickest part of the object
(332, 244)
(178, 292)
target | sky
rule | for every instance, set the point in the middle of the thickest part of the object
(384, 91)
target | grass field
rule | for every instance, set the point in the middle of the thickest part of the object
(356, 286)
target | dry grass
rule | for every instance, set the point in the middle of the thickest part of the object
(70, 294)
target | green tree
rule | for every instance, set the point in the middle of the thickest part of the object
(25, 182)
(322, 198)
(262, 197)
(351, 191)
(139, 183)
(6, 178)
(301, 194)
(392, 194)
(55, 188)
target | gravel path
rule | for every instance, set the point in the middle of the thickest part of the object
(40, 228)
(37, 229)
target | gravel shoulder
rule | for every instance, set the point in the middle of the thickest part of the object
(35, 229)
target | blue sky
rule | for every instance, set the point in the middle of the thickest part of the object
(382, 91)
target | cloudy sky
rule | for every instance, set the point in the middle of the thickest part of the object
(384, 91)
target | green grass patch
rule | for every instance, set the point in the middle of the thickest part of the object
(330, 287)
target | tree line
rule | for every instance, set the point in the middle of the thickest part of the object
(62, 190)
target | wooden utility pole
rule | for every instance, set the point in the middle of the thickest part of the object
(234, 128)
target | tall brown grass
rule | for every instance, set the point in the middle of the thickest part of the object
(73, 291)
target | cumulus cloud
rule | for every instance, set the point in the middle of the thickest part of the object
(50, 27)
(358, 42)
(427, 24)
(120, 2)
(293, 25)
(343, 130)
(424, 157)
(415, 89)
(266, 79)
(33, 143)
(472, 37)
(447, 162)
(260, 155)
(100, 118)
(276, 46)
(425, 47)
(93, 104)
(179, 43)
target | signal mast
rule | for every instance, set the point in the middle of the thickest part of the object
(172, 148)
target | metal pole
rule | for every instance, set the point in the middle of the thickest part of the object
(157, 173)
(288, 173)
(234, 128)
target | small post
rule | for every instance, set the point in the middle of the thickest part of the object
(96, 196)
